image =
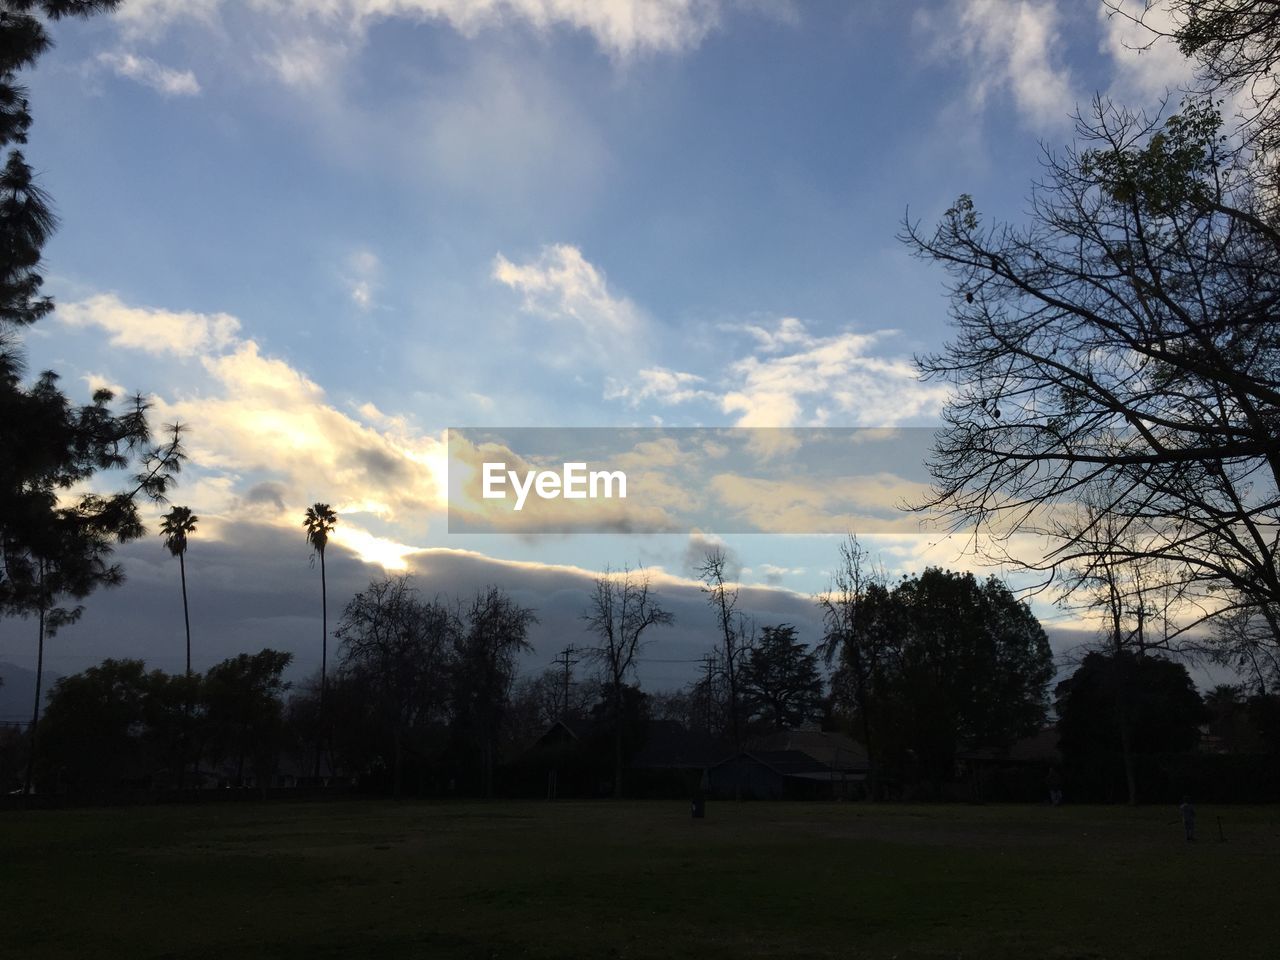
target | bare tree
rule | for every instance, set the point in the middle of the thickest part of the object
(397, 647)
(622, 607)
(495, 630)
(1122, 347)
(851, 638)
(736, 636)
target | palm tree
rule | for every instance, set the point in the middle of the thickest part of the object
(319, 522)
(177, 523)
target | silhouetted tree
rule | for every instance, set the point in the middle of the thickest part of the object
(53, 547)
(395, 662)
(736, 637)
(961, 663)
(244, 711)
(1236, 46)
(1162, 712)
(1226, 709)
(780, 680)
(177, 524)
(854, 612)
(621, 609)
(319, 523)
(1122, 348)
(494, 632)
(114, 725)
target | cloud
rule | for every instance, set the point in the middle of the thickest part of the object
(621, 28)
(560, 284)
(307, 62)
(659, 385)
(148, 18)
(795, 378)
(865, 504)
(262, 435)
(182, 333)
(1009, 47)
(1147, 64)
(144, 70)
(825, 380)
(362, 274)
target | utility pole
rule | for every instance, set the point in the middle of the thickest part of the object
(567, 661)
(709, 667)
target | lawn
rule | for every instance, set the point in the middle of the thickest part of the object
(636, 880)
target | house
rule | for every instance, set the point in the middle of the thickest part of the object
(779, 775)
(834, 750)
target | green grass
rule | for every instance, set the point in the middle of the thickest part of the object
(636, 880)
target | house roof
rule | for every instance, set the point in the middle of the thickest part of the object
(1040, 747)
(669, 745)
(834, 751)
(785, 763)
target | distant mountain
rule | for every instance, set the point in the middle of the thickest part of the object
(18, 691)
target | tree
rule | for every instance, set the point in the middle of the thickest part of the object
(854, 610)
(621, 609)
(319, 523)
(972, 668)
(244, 711)
(958, 664)
(395, 652)
(92, 729)
(736, 636)
(780, 680)
(52, 547)
(1121, 350)
(1161, 713)
(176, 525)
(1227, 710)
(114, 725)
(495, 631)
(1236, 46)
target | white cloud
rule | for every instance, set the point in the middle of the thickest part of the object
(660, 385)
(797, 379)
(1147, 64)
(147, 18)
(824, 380)
(182, 333)
(307, 61)
(254, 421)
(362, 274)
(1010, 47)
(562, 285)
(622, 28)
(149, 73)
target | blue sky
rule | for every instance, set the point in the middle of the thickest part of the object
(323, 231)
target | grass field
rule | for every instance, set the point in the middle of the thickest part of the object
(636, 880)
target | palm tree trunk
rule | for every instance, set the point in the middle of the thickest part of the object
(186, 706)
(35, 710)
(324, 662)
(186, 617)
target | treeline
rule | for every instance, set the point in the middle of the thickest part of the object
(938, 676)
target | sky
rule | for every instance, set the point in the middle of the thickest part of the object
(320, 233)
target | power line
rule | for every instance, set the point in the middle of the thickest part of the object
(567, 660)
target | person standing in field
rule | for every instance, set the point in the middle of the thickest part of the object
(1054, 783)
(1188, 812)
